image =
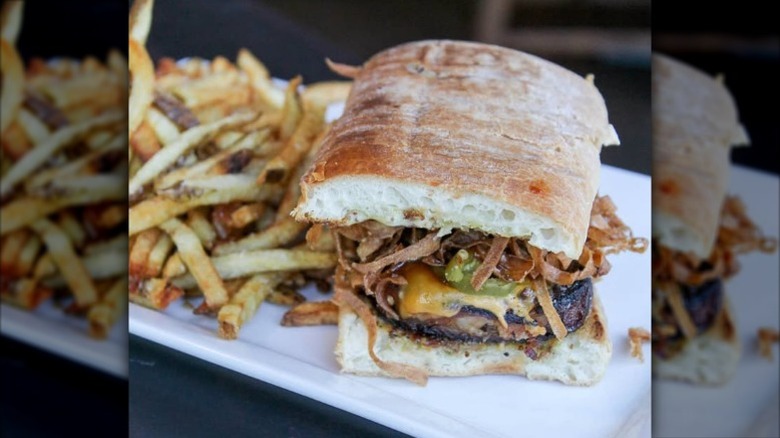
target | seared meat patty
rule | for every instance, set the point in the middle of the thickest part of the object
(472, 324)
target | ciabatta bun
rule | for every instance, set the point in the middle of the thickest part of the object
(461, 135)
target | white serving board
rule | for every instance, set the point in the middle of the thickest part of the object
(49, 328)
(301, 360)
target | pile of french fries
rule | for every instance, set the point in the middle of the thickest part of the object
(63, 173)
(216, 153)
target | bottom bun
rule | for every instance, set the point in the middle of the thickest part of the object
(708, 359)
(579, 359)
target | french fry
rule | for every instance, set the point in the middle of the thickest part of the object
(312, 313)
(24, 210)
(92, 89)
(13, 77)
(291, 111)
(104, 314)
(155, 293)
(135, 164)
(141, 95)
(107, 216)
(218, 183)
(11, 20)
(236, 265)
(164, 129)
(174, 267)
(27, 256)
(244, 304)
(296, 147)
(319, 238)
(200, 224)
(158, 255)
(69, 264)
(323, 94)
(84, 184)
(232, 286)
(116, 243)
(188, 139)
(198, 263)
(27, 294)
(12, 246)
(210, 89)
(14, 145)
(293, 191)
(141, 20)
(100, 266)
(118, 65)
(140, 251)
(227, 139)
(44, 267)
(214, 165)
(202, 167)
(38, 155)
(154, 211)
(74, 167)
(285, 298)
(144, 142)
(279, 234)
(62, 147)
(99, 138)
(247, 214)
(260, 79)
(68, 223)
(36, 130)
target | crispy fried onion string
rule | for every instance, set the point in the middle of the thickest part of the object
(422, 248)
(545, 300)
(371, 253)
(485, 270)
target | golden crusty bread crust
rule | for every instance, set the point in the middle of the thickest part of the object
(694, 126)
(451, 120)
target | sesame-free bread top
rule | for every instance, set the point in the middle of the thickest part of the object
(449, 134)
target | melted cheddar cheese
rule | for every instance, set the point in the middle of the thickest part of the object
(425, 293)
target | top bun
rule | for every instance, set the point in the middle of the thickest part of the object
(449, 134)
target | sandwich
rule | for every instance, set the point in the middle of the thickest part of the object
(460, 186)
(697, 229)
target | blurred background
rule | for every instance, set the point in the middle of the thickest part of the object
(742, 44)
(43, 392)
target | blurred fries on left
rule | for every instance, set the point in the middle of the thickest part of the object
(63, 176)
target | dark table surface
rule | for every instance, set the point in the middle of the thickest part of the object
(173, 394)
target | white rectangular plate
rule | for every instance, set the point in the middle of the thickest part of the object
(49, 328)
(301, 360)
(747, 404)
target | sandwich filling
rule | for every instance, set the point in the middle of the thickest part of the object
(470, 286)
(688, 291)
